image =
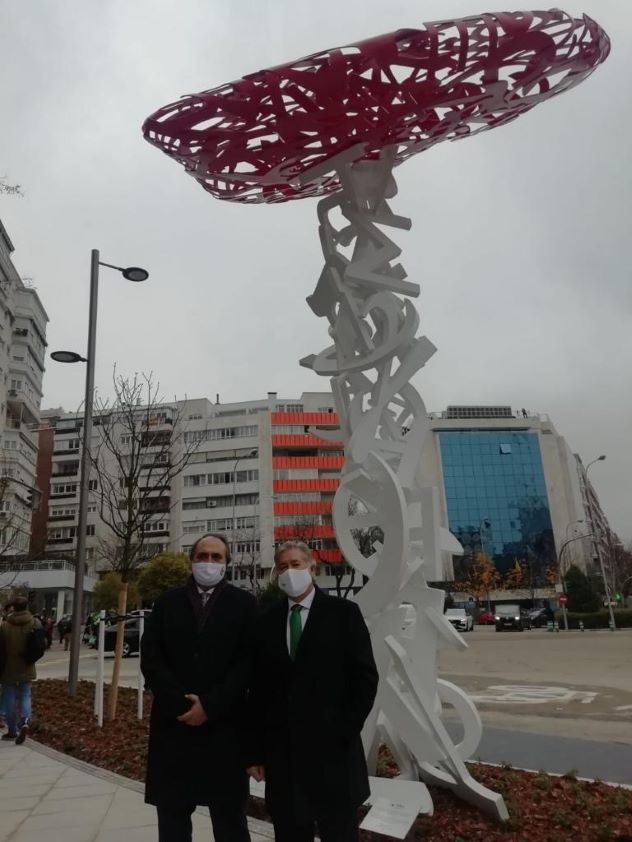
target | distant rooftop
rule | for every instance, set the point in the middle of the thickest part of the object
(478, 412)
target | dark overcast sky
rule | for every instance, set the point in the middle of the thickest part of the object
(521, 239)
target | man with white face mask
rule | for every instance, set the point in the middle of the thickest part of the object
(313, 684)
(194, 656)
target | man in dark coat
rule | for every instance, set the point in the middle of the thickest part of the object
(194, 656)
(16, 674)
(313, 684)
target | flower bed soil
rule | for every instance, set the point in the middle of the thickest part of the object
(542, 808)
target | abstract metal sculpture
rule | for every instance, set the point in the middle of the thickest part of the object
(335, 124)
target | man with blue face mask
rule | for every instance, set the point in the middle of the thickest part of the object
(194, 656)
(313, 684)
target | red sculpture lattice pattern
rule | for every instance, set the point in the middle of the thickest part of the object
(248, 141)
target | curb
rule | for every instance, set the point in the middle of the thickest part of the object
(550, 774)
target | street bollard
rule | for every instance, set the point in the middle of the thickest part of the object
(581, 625)
(556, 626)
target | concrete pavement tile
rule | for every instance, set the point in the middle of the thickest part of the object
(58, 822)
(62, 834)
(128, 810)
(135, 834)
(21, 802)
(37, 778)
(96, 806)
(74, 778)
(33, 758)
(122, 819)
(9, 822)
(10, 757)
(200, 822)
(11, 789)
(260, 830)
(95, 787)
(50, 767)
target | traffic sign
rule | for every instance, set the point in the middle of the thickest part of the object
(563, 599)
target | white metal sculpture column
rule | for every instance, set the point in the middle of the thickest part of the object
(365, 297)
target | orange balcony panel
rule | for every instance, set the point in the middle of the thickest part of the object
(303, 532)
(335, 462)
(322, 419)
(305, 441)
(303, 508)
(305, 484)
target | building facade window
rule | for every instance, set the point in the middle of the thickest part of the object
(220, 478)
(66, 489)
(221, 433)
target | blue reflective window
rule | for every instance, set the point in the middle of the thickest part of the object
(498, 476)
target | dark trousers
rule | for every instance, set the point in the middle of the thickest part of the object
(339, 827)
(229, 823)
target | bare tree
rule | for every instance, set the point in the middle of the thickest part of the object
(141, 449)
(365, 540)
(248, 552)
(14, 524)
(9, 189)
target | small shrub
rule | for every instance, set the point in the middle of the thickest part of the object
(543, 781)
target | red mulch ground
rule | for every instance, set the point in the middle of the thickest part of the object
(542, 808)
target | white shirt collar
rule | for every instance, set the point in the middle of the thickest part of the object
(304, 603)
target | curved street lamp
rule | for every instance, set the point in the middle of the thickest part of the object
(131, 273)
(602, 569)
(572, 523)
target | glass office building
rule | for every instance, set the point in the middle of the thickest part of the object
(496, 497)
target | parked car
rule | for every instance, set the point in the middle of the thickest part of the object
(460, 619)
(511, 617)
(539, 617)
(487, 618)
(131, 642)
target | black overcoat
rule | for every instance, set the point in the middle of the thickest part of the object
(190, 649)
(307, 715)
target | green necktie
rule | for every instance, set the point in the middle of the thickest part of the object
(296, 629)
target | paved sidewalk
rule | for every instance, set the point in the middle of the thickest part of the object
(44, 795)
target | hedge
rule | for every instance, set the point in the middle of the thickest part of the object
(596, 619)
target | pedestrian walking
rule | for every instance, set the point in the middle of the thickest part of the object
(313, 684)
(61, 626)
(16, 672)
(194, 656)
(67, 632)
(50, 629)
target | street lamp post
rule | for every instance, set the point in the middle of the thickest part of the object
(597, 536)
(560, 563)
(131, 273)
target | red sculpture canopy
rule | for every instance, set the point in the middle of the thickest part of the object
(250, 140)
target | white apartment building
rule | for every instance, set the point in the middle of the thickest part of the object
(22, 347)
(509, 485)
(230, 484)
